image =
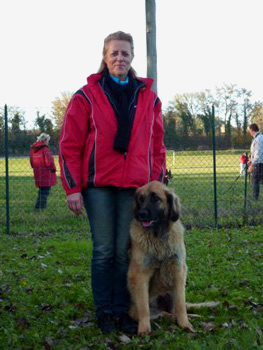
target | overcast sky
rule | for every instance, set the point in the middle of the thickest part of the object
(51, 46)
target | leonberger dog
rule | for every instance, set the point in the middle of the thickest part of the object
(157, 266)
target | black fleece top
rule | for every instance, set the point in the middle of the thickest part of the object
(121, 95)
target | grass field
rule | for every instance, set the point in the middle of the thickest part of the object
(193, 181)
(45, 296)
(46, 300)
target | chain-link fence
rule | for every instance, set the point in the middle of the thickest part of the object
(208, 182)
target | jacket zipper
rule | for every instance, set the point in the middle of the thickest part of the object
(134, 96)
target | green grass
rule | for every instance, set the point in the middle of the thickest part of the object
(192, 180)
(46, 300)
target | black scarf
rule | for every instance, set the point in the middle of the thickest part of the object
(121, 95)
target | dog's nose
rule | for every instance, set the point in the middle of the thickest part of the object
(143, 214)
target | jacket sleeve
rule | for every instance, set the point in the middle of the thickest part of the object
(31, 159)
(159, 150)
(49, 160)
(72, 143)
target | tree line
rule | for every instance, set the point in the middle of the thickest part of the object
(187, 121)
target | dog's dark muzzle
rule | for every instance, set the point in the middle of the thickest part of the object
(145, 217)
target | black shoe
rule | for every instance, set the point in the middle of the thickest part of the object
(106, 323)
(126, 324)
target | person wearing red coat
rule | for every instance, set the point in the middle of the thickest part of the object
(111, 143)
(44, 168)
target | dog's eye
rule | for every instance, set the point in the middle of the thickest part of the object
(141, 199)
(155, 198)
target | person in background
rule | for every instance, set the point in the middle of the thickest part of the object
(256, 151)
(111, 143)
(44, 168)
(242, 164)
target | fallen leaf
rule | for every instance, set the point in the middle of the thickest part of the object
(225, 325)
(124, 339)
(9, 308)
(233, 307)
(207, 326)
(48, 343)
(244, 283)
(22, 322)
(226, 303)
(259, 332)
(83, 321)
(46, 307)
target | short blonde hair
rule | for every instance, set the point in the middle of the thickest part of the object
(43, 137)
(116, 36)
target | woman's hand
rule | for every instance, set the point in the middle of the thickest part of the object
(75, 202)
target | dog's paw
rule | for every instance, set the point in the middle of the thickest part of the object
(187, 326)
(144, 328)
(190, 328)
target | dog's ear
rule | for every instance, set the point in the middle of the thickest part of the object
(174, 207)
(136, 202)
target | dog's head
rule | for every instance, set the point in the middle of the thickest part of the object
(156, 206)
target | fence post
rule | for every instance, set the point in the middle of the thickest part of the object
(214, 164)
(7, 173)
(245, 194)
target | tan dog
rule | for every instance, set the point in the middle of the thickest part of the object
(157, 255)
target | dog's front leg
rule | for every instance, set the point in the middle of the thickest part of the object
(138, 282)
(178, 292)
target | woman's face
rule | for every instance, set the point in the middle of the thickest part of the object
(118, 58)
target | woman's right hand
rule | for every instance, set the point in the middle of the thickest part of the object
(75, 202)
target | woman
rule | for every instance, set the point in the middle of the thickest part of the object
(111, 143)
(44, 168)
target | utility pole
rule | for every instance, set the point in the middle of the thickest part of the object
(151, 41)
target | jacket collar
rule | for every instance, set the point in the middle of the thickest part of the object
(93, 79)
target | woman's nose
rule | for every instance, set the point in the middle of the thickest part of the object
(120, 57)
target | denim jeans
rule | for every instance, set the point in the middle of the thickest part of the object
(257, 175)
(110, 211)
(41, 202)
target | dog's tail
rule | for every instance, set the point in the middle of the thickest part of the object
(208, 304)
(164, 303)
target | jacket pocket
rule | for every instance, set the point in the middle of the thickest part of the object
(91, 174)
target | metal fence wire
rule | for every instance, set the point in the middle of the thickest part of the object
(212, 191)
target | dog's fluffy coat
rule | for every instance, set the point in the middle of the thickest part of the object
(157, 263)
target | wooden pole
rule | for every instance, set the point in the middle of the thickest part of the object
(151, 41)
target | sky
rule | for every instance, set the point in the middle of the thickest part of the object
(52, 46)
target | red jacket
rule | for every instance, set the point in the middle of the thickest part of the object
(243, 159)
(87, 157)
(43, 165)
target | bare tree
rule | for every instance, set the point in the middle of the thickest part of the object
(245, 106)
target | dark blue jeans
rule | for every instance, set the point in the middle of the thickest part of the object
(257, 176)
(110, 211)
(41, 202)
